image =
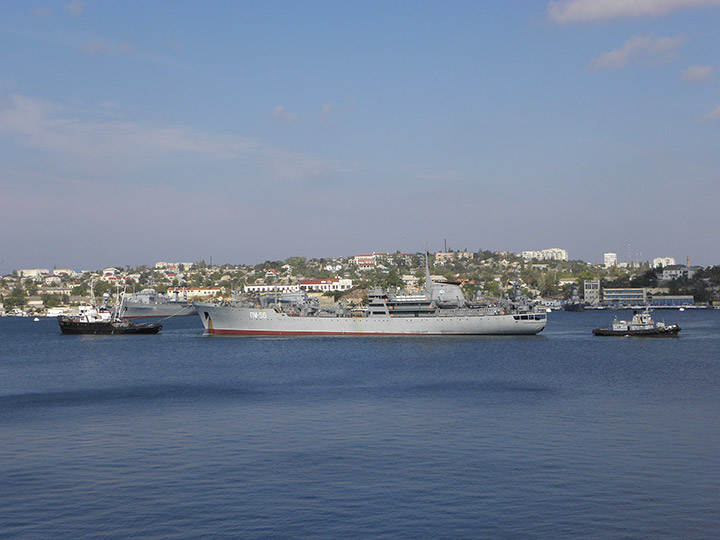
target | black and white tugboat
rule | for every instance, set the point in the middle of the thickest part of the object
(103, 320)
(641, 324)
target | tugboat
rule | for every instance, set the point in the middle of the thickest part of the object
(103, 320)
(640, 325)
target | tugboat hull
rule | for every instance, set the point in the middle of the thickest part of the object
(70, 326)
(668, 331)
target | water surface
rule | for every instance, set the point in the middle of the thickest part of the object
(180, 435)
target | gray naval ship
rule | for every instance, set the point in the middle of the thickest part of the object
(150, 303)
(441, 310)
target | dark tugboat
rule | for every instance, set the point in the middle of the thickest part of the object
(103, 320)
(640, 325)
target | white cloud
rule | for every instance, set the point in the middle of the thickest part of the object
(76, 7)
(697, 73)
(637, 48)
(281, 114)
(445, 176)
(42, 12)
(40, 124)
(327, 110)
(101, 140)
(715, 114)
(590, 10)
(110, 49)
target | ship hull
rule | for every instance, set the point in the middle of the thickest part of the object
(228, 320)
(139, 311)
(668, 331)
(70, 326)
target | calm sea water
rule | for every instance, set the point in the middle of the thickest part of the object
(563, 435)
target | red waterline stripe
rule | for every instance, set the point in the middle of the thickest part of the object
(283, 333)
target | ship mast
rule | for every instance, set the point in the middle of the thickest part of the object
(427, 270)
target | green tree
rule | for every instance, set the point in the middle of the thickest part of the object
(102, 287)
(469, 290)
(79, 290)
(492, 288)
(16, 299)
(392, 280)
(49, 300)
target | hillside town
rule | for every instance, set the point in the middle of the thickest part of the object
(548, 276)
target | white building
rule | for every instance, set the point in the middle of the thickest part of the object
(202, 292)
(444, 256)
(326, 285)
(591, 292)
(551, 254)
(33, 272)
(610, 259)
(410, 282)
(162, 265)
(663, 261)
(676, 271)
(365, 262)
(271, 288)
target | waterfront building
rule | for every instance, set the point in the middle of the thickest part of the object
(610, 259)
(673, 301)
(626, 296)
(591, 292)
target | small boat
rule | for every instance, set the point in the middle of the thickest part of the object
(103, 320)
(641, 324)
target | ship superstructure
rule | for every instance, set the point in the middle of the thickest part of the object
(150, 303)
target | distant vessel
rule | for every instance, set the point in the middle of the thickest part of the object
(94, 319)
(150, 303)
(441, 310)
(574, 303)
(640, 325)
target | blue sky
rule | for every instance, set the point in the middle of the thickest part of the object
(132, 132)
